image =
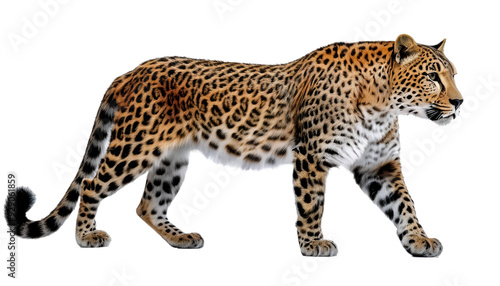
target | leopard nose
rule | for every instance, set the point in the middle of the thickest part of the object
(456, 102)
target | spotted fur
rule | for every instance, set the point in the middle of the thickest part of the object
(337, 106)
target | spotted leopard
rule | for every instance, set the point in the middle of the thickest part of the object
(337, 106)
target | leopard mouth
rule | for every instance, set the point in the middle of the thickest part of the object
(438, 116)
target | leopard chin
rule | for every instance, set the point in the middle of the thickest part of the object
(445, 120)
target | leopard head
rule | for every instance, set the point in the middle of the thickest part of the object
(422, 81)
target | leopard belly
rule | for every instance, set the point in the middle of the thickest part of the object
(272, 150)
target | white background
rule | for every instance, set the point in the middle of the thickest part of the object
(53, 78)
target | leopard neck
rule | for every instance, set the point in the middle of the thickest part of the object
(359, 72)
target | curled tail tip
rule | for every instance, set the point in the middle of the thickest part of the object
(17, 204)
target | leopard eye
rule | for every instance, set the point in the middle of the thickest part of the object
(433, 76)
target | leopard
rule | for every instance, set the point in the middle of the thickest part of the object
(336, 107)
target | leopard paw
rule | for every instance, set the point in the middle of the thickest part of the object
(186, 240)
(421, 246)
(320, 247)
(94, 238)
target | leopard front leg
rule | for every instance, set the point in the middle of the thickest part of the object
(385, 186)
(309, 185)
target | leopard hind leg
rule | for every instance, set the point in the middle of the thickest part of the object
(115, 171)
(162, 185)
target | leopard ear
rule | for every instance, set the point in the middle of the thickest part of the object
(405, 49)
(440, 46)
